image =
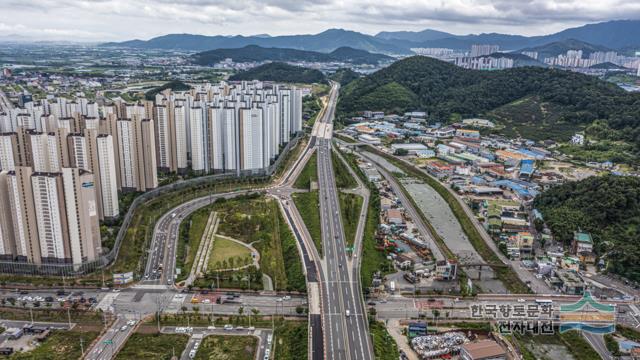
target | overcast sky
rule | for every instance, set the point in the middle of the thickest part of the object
(100, 20)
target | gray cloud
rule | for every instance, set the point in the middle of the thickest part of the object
(98, 20)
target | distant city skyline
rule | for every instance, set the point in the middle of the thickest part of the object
(114, 20)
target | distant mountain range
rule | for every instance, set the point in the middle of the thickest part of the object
(618, 35)
(255, 53)
(325, 41)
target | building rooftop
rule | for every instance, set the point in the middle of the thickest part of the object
(582, 237)
(484, 349)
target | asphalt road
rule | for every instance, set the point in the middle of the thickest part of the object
(111, 341)
(345, 320)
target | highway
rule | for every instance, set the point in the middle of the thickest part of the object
(346, 335)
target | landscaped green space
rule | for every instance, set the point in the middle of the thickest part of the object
(291, 341)
(132, 253)
(153, 346)
(384, 347)
(227, 254)
(578, 346)
(344, 180)
(308, 174)
(628, 333)
(505, 274)
(308, 204)
(311, 106)
(257, 220)
(191, 230)
(227, 347)
(350, 208)
(60, 345)
(44, 314)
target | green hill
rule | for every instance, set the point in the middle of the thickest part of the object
(175, 85)
(254, 53)
(561, 47)
(344, 76)
(609, 208)
(280, 72)
(522, 98)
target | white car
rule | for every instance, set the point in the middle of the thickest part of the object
(131, 322)
(192, 353)
(228, 327)
(521, 300)
(211, 327)
(251, 328)
(286, 297)
(123, 328)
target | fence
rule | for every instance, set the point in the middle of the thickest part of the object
(75, 270)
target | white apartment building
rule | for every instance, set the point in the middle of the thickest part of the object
(251, 139)
(108, 182)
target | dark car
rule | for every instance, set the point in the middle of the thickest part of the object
(61, 293)
(48, 299)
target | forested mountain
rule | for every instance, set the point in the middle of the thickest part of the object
(280, 72)
(254, 53)
(561, 47)
(609, 208)
(562, 98)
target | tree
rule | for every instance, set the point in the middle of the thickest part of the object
(401, 152)
(299, 309)
(241, 310)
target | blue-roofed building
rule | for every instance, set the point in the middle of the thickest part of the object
(526, 168)
(532, 154)
(519, 189)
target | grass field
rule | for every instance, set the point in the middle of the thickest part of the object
(308, 174)
(308, 204)
(344, 180)
(60, 345)
(152, 346)
(190, 235)
(350, 207)
(226, 347)
(384, 347)
(228, 254)
(291, 341)
(258, 220)
(578, 346)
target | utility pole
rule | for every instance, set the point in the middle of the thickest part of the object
(81, 347)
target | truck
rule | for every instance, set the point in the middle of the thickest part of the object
(392, 286)
(347, 313)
